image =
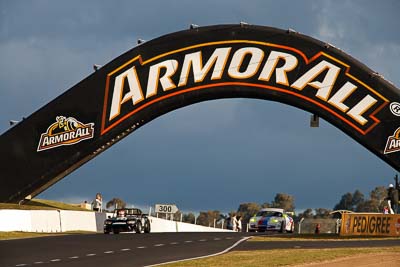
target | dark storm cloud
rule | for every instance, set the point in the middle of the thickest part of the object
(212, 155)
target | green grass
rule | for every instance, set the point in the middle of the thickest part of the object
(18, 235)
(282, 257)
(41, 204)
(313, 237)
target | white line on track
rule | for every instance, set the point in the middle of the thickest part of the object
(55, 260)
(90, 255)
(38, 262)
(217, 238)
(188, 241)
(174, 243)
(125, 249)
(228, 238)
(141, 247)
(159, 245)
(202, 257)
(21, 264)
(202, 240)
(108, 252)
(74, 257)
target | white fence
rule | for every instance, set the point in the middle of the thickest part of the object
(50, 221)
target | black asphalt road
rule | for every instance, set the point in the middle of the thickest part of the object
(112, 250)
(141, 250)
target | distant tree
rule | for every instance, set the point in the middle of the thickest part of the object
(206, 218)
(116, 202)
(284, 201)
(358, 199)
(379, 193)
(188, 218)
(368, 206)
(248, 210)
(378, 198)
(345, 203)
(308, 213)
(177, 216)
(321, 213)
(266, 205)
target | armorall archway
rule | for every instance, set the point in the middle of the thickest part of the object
(179, 69)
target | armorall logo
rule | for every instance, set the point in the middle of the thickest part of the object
(322, 80)
(393, 142)
(65, 131)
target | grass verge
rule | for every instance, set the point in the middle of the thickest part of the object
(312, 237)
(41, 204)
(283, 257)
(18, 235)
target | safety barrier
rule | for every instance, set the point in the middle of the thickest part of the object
(50, 221)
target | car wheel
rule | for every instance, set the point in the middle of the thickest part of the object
(147, 227)
(138, 228)
(283, 228)
(292, 228)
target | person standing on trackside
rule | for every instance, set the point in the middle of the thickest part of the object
(97, 203)
(239, 223)
(234, 222)
(393, 199)
(397, 187)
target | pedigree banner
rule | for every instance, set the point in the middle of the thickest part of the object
(370, 224)
(191, 66)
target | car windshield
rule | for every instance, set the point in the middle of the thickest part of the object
(125, 212)
(269, 213)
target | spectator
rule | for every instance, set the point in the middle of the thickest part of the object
(97, 203)
(385, 210)
(393, 199)
(234, 222)
(318, 228)
(239, 223)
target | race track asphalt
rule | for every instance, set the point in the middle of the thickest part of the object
(144, 249)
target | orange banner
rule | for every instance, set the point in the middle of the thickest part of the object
(370, 224)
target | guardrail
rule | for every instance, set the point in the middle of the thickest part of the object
(52, 221)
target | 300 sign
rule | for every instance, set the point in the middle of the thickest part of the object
(166, 208)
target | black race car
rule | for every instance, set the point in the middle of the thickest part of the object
(127, 220)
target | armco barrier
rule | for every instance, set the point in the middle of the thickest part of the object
(64, 221)
(370, 224)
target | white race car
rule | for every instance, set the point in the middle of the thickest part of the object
(271, 219)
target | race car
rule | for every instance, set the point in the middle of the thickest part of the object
(271, 219)
(127, 220)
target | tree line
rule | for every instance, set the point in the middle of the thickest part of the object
(356, 201)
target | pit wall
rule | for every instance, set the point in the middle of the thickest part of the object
(50, 221)
(370, 224)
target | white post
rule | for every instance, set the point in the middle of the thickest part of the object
(214, 222)
(149, 211)
(195, 219)
(247, 227)
(301, 220)
(181, 216)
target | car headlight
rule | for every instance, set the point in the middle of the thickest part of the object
(274, 221)
(131, 222)
(252, 220)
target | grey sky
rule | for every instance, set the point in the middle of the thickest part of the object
(213, 155)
